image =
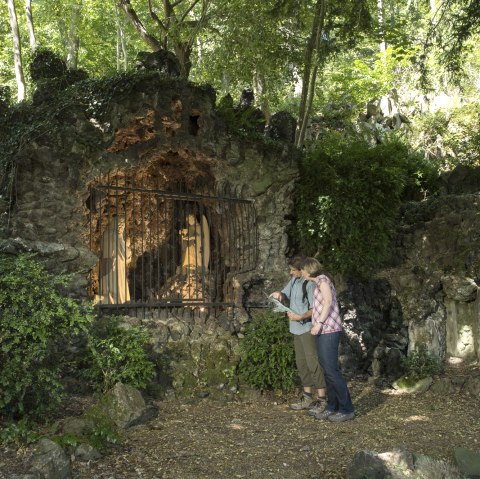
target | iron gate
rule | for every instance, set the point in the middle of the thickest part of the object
(163, 249)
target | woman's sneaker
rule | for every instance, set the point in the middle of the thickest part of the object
(317, 406)
(304, 403)
(325, 414)
(341, 416)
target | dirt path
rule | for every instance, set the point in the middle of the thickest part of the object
(207, 439)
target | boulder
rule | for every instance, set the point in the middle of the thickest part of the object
(127, 407)
(50, 460)
(399, 464)
(403, 385)
(468, 462)
(86, 453)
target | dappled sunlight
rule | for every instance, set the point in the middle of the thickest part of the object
(417, 419)
(454, 360)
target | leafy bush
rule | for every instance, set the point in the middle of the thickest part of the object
(349, 198)
(5, 98)
(450, 137)
(117, 354)
(35, 321)
(359, 80)
(267, 353)
(99, 431)
(20, 432)
(421, 364)
(46, 64)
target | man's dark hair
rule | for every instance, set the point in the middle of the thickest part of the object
(296, 261)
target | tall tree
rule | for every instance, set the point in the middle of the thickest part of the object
(178, 25)
(453, 28)
(31, 30)
(122, 52)
(310, 69)
(73, 37)
(17, 50)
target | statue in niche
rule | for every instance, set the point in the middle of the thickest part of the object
(114, 255)
(195, 241)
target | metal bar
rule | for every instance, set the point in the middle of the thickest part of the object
(170, 304)
(134, 249)
(117, 232)
(233, 244)
(178, 196)
(142, 224)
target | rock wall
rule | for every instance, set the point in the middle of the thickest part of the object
(436, 272)
(167, 128)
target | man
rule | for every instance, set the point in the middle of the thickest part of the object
(299, 293)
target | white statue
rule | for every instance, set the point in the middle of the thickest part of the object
(195, 243)
(114, 249)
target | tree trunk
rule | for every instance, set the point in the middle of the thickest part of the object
(31, 30)
(17, 50)
(381, 25)
(132, 16)
(183, 52)
(259, 92)
(122, 54)
(73, 38)
(309, 77)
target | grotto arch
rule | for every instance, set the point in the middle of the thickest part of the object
(164, 240)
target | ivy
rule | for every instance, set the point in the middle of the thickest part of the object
(267, 353)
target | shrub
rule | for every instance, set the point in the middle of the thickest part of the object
(421, 364)
(267, 353)
(117, 354)
(21, 432)
(450, 137)
(36, 320)
(46, 64)
(349, 200)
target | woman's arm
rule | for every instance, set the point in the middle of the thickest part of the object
(299, 317)
(327, 304)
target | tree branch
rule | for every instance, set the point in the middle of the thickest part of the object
(188, 10)
(132, 16)
(156, 18)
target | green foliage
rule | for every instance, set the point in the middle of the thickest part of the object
(5, 98)
(267, 353)
(46, 64)
(361, 80)
(421, 364)
(238, 120)
(19, 433)
(349, 198)
(103, 430)
(454, 33)
(117, 354)
(99, 432)
(454, 133)
(35, 321)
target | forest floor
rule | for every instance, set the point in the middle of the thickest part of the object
(257, 439)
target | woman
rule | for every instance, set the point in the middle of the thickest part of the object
(327, 327)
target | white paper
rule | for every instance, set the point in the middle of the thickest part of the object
(277, 306)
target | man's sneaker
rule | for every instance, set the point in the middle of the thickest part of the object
(341, 417)
(304, 403)
(325, 414)
(317, 406)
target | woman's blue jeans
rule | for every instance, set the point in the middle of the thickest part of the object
(339, 399)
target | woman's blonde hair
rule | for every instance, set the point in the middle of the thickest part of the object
(312, 266)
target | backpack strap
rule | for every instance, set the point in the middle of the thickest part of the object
(305, 294)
